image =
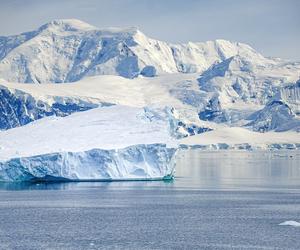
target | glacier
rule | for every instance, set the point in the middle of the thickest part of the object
(106, 143)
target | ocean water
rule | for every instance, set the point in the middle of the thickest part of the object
(218, 200)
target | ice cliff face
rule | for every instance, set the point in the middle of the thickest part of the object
(68, 50)
(139, 162)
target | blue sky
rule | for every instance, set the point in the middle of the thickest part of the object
(270, 26)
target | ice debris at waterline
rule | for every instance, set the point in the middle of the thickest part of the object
(108, 143)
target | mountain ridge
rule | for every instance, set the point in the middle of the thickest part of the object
(66, 50)
(209, 84)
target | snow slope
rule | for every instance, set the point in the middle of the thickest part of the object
(169, 90)
(116, 142)
(238, 85)
(275, 105)
(67, 50)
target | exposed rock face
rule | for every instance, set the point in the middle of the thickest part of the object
(17, 109)
(277, 116)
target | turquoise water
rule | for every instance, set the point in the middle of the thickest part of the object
(218, 200)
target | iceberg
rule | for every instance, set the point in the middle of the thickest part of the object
(106, 143)
(139, 162)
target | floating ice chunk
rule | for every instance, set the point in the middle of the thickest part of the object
(290, 223)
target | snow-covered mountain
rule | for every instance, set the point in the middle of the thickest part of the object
(234, 80)
(236, 87)
(122, 97)
(68, 50)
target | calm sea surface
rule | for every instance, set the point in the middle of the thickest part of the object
(219, 200)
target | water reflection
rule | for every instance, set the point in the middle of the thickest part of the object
(84, 185)
(239, 169)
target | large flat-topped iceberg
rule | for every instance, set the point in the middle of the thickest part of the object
(116, 142)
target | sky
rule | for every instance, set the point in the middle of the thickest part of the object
(270, 26)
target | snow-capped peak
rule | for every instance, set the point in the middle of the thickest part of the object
(67, 50)
(67, 25)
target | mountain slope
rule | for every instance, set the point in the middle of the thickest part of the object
(23, 103)
(67, 50)
(232, 84)
(237, 86)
